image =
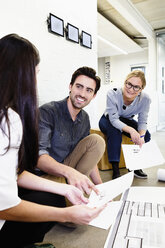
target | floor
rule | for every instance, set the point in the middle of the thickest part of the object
(91, 237)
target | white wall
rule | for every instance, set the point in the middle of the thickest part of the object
(59, 57)
(120, 67)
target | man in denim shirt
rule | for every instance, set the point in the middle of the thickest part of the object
(66, 147)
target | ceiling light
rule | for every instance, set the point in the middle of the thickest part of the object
(111, 44)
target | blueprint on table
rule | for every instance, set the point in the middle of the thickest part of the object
(141, 220)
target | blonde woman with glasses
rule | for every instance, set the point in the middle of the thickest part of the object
(123, 104)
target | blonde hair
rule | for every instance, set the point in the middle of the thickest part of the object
(137, 73)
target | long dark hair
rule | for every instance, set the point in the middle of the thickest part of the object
(18, 60)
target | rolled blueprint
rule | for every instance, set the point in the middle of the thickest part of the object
(161, 175)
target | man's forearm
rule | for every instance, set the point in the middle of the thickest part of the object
(74, 177)
(49, 165)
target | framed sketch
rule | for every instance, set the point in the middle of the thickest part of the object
(163, 87)
(107, 72)
(162, 71)
(162, 76)
(142, 68)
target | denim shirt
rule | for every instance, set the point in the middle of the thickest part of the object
(58, 133)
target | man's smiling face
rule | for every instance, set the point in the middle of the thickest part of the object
(82, 91)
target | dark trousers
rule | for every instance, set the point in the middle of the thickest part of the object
(114, 136)
(18, 234)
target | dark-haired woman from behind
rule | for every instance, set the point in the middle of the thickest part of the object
(29, 205)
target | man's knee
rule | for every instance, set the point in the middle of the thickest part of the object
(97, 142)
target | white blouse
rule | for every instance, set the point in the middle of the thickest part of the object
(9, 161)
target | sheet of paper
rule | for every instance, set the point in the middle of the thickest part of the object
(147, 194)
(109, 190)
(138, 231)
(140, 158)
(107, 216)
(161, 175)
(140, 223)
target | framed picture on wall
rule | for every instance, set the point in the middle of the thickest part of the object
(107, 72)
(163, 87)
(162, 76)
(162, 71)
(142, 68)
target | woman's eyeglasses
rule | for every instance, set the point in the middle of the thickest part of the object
(135, 87)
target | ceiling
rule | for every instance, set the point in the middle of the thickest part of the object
(125, 26)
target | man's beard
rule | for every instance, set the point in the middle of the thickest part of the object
(76, 106)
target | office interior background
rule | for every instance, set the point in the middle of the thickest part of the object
(126, 34)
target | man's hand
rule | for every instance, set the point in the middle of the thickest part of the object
(80, 181)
